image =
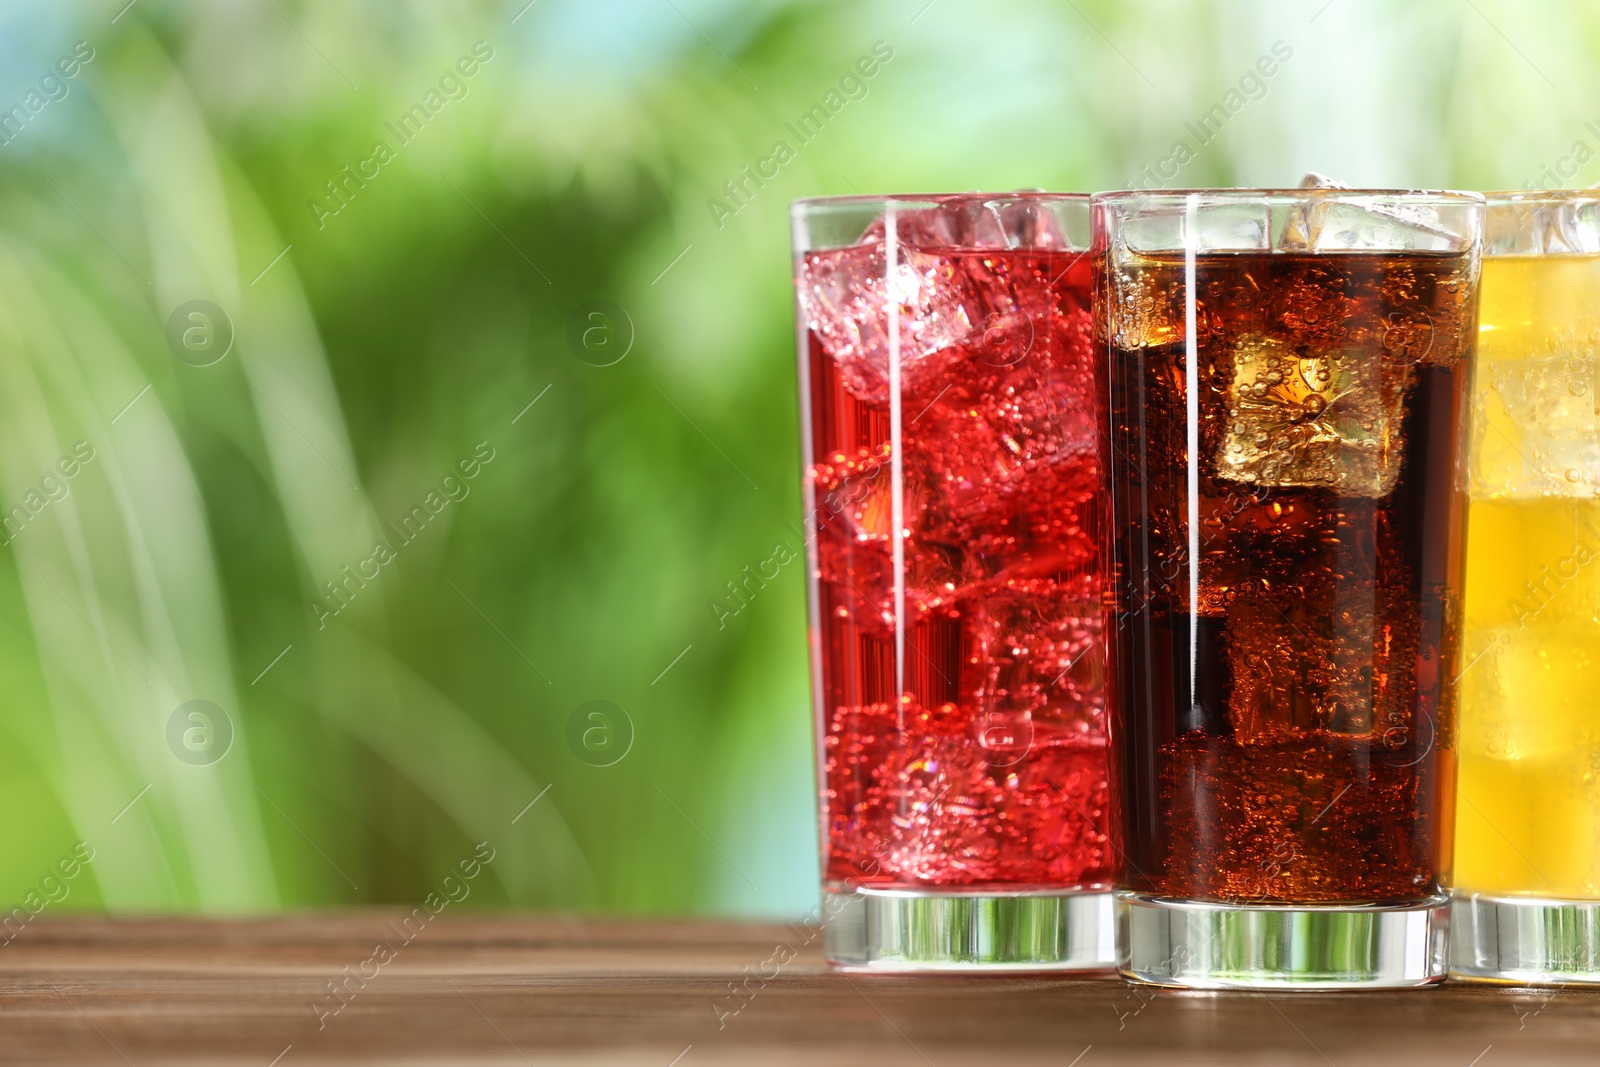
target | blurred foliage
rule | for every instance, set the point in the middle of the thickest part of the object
(374, 747)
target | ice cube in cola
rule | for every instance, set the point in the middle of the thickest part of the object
(960, 654)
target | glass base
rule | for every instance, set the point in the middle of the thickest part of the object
(1525, 940)
(1198, 945)
(917, 930)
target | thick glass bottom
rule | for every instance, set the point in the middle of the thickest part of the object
(1525, 940)
(919, 930)
(1199, 945)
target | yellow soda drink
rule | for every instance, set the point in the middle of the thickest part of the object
(1528, 817)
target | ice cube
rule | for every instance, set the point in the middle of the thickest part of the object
(856, 491)
(1342, 223)
(910, 795)
(1305, 218)
(945, 296)
(967, 222)
(1217, 225)
(989, 434)
(961, 818)
(846, 294)
(958, 222)
(1032, 224)
(1149, 302)
(1570, 228)
(1147, 306)
(1316, 180)
(1036, 666)
(1536, 422)
(1534, 226)
(1303, 416)
(1369, 223)
(861, 588)
(854, 523)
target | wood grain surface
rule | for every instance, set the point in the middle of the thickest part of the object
(519, 991)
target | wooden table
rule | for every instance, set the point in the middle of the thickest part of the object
(546, 990)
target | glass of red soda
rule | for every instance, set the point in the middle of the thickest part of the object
(952, 486)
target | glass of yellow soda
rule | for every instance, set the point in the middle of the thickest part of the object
(1527, 863)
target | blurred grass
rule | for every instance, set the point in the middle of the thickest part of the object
(432, 308)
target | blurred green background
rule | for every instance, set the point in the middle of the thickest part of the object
(551, 229)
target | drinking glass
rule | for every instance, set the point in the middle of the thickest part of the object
(1286, 435)
(947, 385)
(1527, 899)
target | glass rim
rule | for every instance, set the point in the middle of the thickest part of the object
(1541, 197)
(868, 199)
(1238, 194)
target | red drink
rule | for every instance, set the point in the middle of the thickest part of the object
(959, 667)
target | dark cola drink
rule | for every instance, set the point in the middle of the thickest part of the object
(1286, 434)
